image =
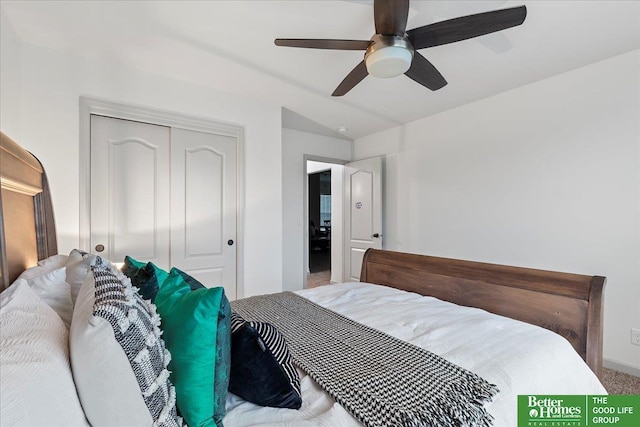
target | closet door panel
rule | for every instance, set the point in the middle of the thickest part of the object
(203, 207)
(129, 190)
(203, 202)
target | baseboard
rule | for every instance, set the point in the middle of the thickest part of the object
(622, 367)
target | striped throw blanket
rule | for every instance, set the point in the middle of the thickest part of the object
(379, 379)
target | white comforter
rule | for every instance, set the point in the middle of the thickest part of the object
(519, 358)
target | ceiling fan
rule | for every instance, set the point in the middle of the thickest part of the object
(393, 50)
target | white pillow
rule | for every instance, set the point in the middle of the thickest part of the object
(118, 359)
(48, 280)
(78, 268)
(44, 266)
(53, 261)
(53, 290)
(37, 387)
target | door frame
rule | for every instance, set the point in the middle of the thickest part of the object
(305, 201)
(102, 107)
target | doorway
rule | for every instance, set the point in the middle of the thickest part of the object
(324, 219)
(319, 228)
(356, 216)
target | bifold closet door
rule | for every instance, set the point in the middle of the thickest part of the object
(204, 206)
(166, 195)
(130, 181)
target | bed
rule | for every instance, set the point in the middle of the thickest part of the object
(490, 319)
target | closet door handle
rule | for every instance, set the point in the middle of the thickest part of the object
(99, 248)
(230, 242)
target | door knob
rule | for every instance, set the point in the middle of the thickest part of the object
(230, 242)
(376, 235)
(99, 248)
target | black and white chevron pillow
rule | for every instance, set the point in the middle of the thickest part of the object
(262, 371)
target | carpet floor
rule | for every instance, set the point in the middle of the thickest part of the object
(318, 279)
(620, 383)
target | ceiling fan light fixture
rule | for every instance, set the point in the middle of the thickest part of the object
(388, 56)
(389, 61)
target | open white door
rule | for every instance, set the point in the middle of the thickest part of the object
(362, 212)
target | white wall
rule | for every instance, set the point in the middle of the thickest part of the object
(10, 56)
(545, 176)
(52, 83)
(297, 146)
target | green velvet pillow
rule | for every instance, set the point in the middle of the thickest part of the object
(192, 322)
(193, 283)
(223, 343)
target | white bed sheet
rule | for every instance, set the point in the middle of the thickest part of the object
(518, 357)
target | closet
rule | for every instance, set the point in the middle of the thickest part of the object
(165, 194)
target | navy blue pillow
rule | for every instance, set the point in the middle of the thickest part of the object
(144, 276)
(147, 277)
(261, 368)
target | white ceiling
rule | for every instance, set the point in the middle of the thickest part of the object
(228, 45)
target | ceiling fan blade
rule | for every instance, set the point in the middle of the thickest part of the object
(466, 27)
(391, 16)
(423, 72)
(325, 43)
(353, 78)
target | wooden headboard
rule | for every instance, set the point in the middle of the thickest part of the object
(568, 304)
(27, 226)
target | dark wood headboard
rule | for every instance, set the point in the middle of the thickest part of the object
(568, 304)
(27, 226)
